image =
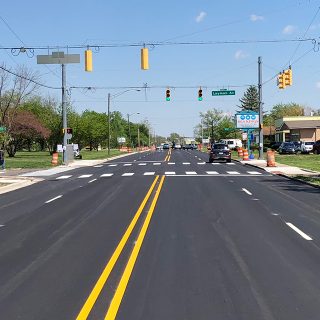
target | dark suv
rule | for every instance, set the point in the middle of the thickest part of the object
(219, 151)
(316, 147)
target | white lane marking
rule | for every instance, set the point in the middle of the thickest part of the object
(302, 234)
(157, 164)
(216, 164)
(231, 164)
(134, 160)
(247, 191)
(212, 172)
(106, 175)
(63, 177)
(171, 163)
(149, 173)
(191, 172)
(253, 172)
(233, 172)
(185, 163)
(98, 166)
(92, 180)
(127, 164)
(2, 225)
(112, 165)
(201, 162)
(142, 164)
(55, 198)
(128, 174)
(85, 176)
(274, 214)
(169, 172)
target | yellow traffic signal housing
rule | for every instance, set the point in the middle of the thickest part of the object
(168, 95)
(281, 81)
(144, 59)
(288, 77)
(88, 60)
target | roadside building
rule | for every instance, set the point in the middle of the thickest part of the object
(301, 128)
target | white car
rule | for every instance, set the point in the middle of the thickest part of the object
(306, 146)
(177, 146)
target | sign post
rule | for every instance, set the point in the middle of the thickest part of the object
(63, 59)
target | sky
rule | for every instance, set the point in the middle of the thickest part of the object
(116, 30)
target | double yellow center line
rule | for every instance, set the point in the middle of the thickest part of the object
(167, 158)
(117, 298)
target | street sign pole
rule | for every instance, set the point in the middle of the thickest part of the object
(260, 109)
(62, 59)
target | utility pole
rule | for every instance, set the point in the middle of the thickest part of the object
(138, 137)
(64, 114)
(109, 97)
(129, 129)
(260, 108)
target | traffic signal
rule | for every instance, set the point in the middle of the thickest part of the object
(288, 77)
(88, 60)
(281, 80)
(69, 130)
(144, 59)
(168, 95)
(200, 94)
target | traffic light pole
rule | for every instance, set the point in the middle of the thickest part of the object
(260, 109)
(64, 114)
(109, 98)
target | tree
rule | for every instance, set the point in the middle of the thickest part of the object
(250, 100)
(214, 122)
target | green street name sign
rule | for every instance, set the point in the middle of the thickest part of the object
(224, 93)
(3, 129)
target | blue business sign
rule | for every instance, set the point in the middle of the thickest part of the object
(247, 121)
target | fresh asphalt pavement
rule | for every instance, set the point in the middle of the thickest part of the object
(225, 241)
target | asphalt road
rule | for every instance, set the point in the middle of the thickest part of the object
(161, 236)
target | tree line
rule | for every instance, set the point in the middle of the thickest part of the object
(32, 122)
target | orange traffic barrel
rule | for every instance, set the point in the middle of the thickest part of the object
(240, 152)
(271, 162)
(55, 157)
(245, 155)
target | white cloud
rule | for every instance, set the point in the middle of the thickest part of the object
(255, 17)
(289, 29)
(201, 16)
(318, 84)
(240, 55)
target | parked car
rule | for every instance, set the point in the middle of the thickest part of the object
(166, 146)
(275, 145)
(297, 145)
(219, 151)
(287, 148)
(177, 146)
(233, 144)
(306, 146)
(316, 147)
(189, 146)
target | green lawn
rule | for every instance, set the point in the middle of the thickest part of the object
(39, 159)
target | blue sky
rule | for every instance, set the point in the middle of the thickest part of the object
(231, 66)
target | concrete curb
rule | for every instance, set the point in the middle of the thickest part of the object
(15, 184)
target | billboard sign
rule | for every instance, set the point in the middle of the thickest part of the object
(247, 120)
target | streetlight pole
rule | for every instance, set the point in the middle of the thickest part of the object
(109, 102)
(129, 124)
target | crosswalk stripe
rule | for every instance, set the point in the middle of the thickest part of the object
(98, 166)
(128, 174)
(233, 172)
(169, 173)
(254, 172)
(201, 163)
(231, 164)
(85, 176)
(106, 175)
(171, 163)
(216, 164)
(212, 172)
(63, 177)
(149, 173)
(191, 172)
(112, 165)
(185, 162)
(157, 164)
(142, 164)
(127, 164)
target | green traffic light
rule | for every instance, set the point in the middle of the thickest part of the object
(167, 99)
(200, 98)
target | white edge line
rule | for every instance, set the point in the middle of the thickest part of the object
(92, 180)
(54, 198)
(301, 233)
(247, 191)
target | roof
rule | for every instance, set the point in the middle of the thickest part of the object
(300, 124)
